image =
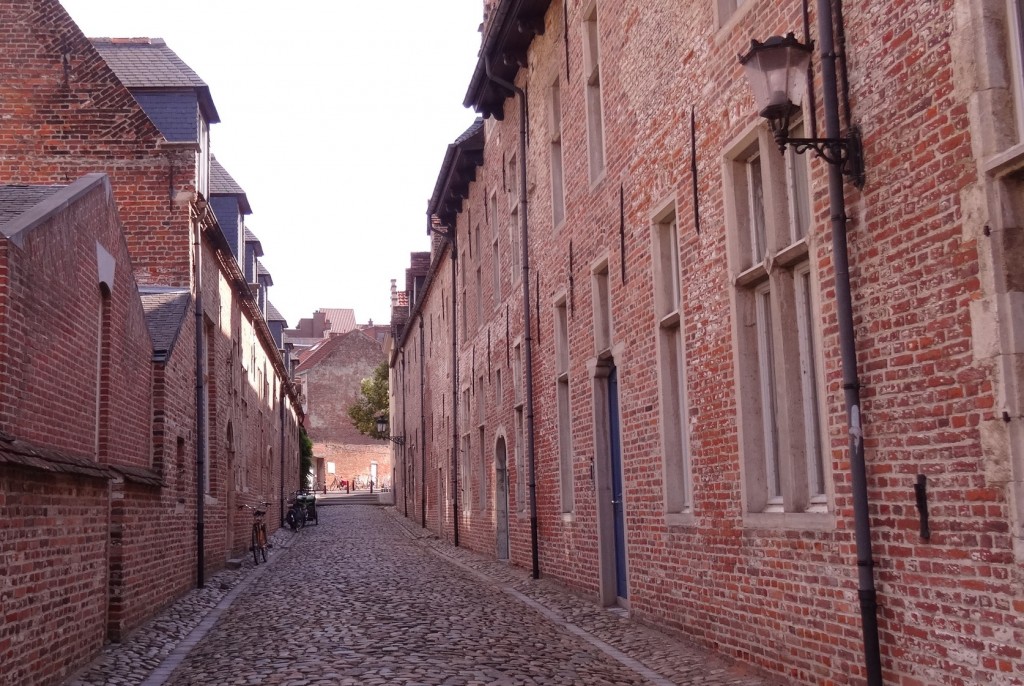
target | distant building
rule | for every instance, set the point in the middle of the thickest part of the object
(330, 375)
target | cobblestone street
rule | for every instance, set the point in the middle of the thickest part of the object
(367, 597)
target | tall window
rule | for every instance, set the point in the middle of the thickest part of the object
(671, 364)
(564, 413)
(464, 461)
(514, 230)
(495, 250)
(592, 74)
(481, 502)
(512, 181)
(517, 390)
(776, 329)
(557, 172)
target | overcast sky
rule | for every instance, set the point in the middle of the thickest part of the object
(335, 116)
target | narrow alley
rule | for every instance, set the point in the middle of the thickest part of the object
(367, 597)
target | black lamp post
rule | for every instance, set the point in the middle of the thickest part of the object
(777, 72)
(382, 430)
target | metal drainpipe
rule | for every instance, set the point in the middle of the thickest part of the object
(405, 457)
(528, 340)
(453, 252)
(404, 454)
(196, 210)
(848, 353)
(423, 436)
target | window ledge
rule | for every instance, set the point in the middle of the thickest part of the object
(568, 518)
(1008, 161)
(804, 521)
(680, 519)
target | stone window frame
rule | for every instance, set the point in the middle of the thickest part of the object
(728, 13)
(465, 464)
(989, 45)
(563, 403)
(481, 419)
(520, 428)
(593, 96)
(600, 286)
(557, 164)
(784, 460)
(677, 468)
(495, 246)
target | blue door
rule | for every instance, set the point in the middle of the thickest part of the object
(617, 504)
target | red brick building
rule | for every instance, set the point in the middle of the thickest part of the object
(329, 377)
(641, 299)
(107, 451)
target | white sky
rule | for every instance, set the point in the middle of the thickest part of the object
(335, 116)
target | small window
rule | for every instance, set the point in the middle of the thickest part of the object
(602, 309)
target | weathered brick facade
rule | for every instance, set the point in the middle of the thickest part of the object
(98, 408)
(330, 375)
(710, 550)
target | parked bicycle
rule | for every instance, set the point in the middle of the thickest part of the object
(301, 509)
(259, 531)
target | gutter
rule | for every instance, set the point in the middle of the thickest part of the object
(528, 342)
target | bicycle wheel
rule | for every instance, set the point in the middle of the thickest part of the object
(263, 541)
(255, 543)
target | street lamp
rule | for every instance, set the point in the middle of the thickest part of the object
(774, 70)
(777, 72)
(382, 429)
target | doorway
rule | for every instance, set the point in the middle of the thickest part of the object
(501, 498)
(610, 493)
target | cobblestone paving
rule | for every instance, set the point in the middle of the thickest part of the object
(368, 597)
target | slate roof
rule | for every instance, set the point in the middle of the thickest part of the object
(264, 273)
(165, 311)
(149, 63)
(250, 237)
(221, 183)
(15, 200)
(273, 315)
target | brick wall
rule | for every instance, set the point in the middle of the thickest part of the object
(49, 343)
(779, 596)
(53, 548)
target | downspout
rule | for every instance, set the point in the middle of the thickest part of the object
(405, 457)
(528, 340)
(848, 354)
(423, 435)
(453, 252)
(197, 209)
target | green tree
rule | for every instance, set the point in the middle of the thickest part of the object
(305, 458)
(372, 402)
